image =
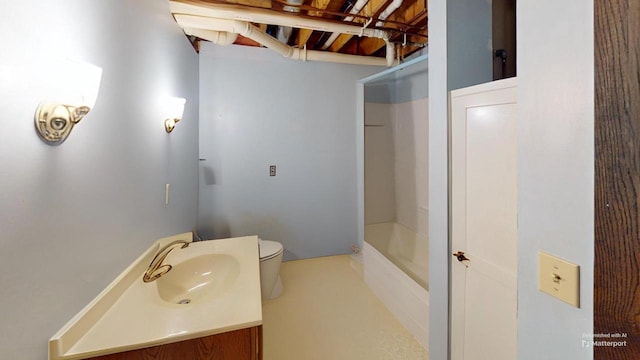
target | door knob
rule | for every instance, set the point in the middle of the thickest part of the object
(460, 256)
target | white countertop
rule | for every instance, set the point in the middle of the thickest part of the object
(129, 314)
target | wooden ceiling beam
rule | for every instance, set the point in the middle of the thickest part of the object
(410, 18)
(420, 17)
(265, 4)
(370, 9)
(407, 13)
(369, 46)
(305, 34)
(340, 42)
(416, 13)
(303, 37)
(241, 40)
(381, 9)
(320, 5)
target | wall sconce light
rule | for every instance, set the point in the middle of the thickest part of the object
(76, 87)
(174, 110)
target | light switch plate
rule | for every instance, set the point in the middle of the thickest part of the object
(559, 278)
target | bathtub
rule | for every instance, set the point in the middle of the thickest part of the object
(396, 269)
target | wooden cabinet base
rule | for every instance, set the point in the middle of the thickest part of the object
(244, 344)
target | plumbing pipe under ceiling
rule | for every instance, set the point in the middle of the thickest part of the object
(219, 17)
(388, 11)
(249, 31)
(188, 12)
(223, 38)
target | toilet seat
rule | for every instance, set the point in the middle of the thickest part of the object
(269, 249)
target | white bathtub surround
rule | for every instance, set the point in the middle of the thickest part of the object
(395, 248)
(130, 314)
(357, 263)
(405, 297)
(396, 164)
(379, 159)
(403, 247)
(411, 164)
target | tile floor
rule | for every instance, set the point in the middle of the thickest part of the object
(327, 312)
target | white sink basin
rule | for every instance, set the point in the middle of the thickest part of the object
(197, 279)
(219, 278)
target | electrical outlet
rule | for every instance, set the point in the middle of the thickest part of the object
(559, 278)
(272, 170)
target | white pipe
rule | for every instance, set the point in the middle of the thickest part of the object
(388, 11)
(316, 55)
(354, 10)
(287, 51)
(234, 19)
(217, 37)
(247, 30)
(390, 52)
(194, 14)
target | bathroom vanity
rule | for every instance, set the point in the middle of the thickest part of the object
(245, 344)
(208, 306)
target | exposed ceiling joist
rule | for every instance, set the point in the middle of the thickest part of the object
(322, 25)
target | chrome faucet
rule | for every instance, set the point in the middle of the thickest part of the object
(156, 269)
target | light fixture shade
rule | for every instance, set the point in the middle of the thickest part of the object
(72, 93)
(174, 107)
(77, 83)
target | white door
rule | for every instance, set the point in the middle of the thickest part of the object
(484, 222)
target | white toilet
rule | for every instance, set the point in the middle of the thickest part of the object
(270, 260)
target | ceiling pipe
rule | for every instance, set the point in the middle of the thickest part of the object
(354, 10)
(388, 11)
(195, 13)
(247, 30)
(223, 38)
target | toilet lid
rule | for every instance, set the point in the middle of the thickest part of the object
(269, 249)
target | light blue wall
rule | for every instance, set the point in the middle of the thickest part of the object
(469, 36)
(259, 109)
(555, 163)
(555, 171)
(73, 216)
